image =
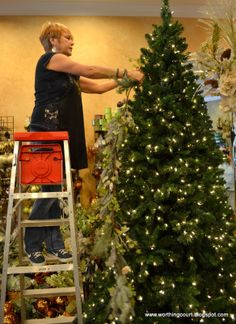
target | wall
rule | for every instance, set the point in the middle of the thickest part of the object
(110, 41)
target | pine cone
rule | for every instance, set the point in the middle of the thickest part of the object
(226, 54)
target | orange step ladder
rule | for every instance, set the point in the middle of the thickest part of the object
(38, 159)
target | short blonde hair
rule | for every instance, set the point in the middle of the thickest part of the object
(51, 30)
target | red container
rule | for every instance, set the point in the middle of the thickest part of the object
(41, 164)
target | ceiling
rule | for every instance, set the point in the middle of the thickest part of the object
(181, 8)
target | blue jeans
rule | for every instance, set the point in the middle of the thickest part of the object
(47, 208)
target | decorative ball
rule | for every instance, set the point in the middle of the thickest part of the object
(51, 313)
(93, 200)
(61, 300)
(40, 277)
(10, 319)
(42, 305)
(78, 184)
(96, 173)
(34, 188)
(8, 307)
(126, 269)
(212, 82)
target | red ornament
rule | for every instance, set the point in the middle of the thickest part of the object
(78, 183)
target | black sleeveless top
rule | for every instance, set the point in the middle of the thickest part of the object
(58, 107)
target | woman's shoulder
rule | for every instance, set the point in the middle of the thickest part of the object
(45, 58)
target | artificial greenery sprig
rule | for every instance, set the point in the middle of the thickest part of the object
(111, 238)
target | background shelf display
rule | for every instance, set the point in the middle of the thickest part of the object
(6, 128)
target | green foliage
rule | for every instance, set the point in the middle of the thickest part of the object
(61, 279)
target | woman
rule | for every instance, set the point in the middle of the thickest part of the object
(59, 82)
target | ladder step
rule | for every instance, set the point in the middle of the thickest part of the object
(50, 259)
(37, 195)
(41, 136)
(44, 222)
(64, 291)
(44, 268)
(57, 320)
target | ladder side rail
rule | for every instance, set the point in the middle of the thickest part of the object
(73, 231)
(21, 249)
(8, 229)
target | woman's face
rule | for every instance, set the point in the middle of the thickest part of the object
(64, 44)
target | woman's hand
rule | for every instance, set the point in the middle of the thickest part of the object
(136, 75)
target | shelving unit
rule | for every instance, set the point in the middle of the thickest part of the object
(6, 128)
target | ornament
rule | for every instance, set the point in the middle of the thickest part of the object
(8, 307)
(212, 82)
(97, 173)
(93, 199)
(51, 313)
(26, 210)
(10, 319)
(61, 300)
(5, 159)
(78, 183)
(34, 188)
(27, 123)
(126, 269)
(40, 277)
(42, 305)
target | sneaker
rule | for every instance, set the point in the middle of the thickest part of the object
(36, 258)
(61, 254)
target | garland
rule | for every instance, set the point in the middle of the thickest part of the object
(111, 239)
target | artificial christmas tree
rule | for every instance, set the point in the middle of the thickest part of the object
(171, 195)
(171, 190)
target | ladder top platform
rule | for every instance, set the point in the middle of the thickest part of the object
(41, 136)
